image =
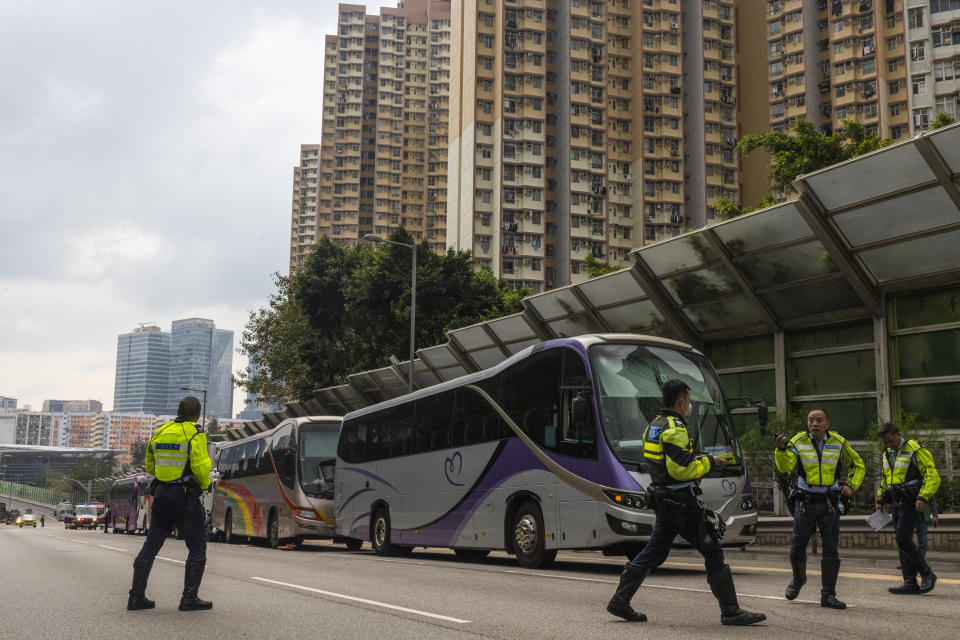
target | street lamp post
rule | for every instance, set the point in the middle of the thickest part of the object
(413, 300)
(204, 391)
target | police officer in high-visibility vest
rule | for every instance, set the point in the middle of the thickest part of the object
(675, 469)
(817, 503)
(177, 457)
(909, 481)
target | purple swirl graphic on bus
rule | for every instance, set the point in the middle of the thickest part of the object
(453, 465)
(729, 488)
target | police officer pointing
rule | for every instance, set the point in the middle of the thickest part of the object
(819, 452)
(177, 456)
(675, 469)
(909, 480)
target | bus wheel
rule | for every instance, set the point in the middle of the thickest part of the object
(380, 532)
(273, 531)
(228, 536)
(528, 537)
(354, 544)
(471, 555)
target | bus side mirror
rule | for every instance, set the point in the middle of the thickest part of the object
(581, 408)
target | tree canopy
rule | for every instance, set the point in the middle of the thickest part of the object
(347, 309)
(801, 150)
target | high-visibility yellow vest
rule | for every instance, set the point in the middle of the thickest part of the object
(819, 469)
(912, 463)
(178, 449)
(668, 453)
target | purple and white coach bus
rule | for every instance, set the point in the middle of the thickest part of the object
(540, 453)
(129, 502)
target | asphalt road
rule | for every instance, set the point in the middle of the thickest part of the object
(73, 584)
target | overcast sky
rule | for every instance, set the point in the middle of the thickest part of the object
(146, 161)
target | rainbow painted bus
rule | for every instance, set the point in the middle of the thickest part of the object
(278, 485)
(129, 501)
(539, 453)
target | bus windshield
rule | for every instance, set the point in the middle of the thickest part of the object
(318, 456)
(629, 379)
(86, 510)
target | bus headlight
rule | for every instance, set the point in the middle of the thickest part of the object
(303, 513)
(747, 504)
(629, 500)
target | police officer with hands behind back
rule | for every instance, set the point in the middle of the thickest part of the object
(819, 489)
(177, 457)
(909, 480)
(675, 469)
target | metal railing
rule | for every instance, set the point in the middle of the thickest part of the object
(36, 494)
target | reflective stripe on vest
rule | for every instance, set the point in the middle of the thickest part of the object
(819, 468)
(652, 447)
(901, 464)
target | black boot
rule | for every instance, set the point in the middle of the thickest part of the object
(721, 583)
(909, 586)
(192, 575)
(928, 579)
(630, 580)
(138, 599)
(799, 566)
(830, 568)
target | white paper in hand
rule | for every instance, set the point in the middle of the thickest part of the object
(879, 519)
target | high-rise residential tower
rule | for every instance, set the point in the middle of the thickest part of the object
(201, 357)
(586, 128)
(142, 379)
(381, 163)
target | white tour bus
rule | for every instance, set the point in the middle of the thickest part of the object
(540, 453)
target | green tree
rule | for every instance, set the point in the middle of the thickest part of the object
(347, 309)
(942, 120)
(596, 268)
(805, 149)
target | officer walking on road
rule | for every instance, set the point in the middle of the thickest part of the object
(820, 453)
(675, 469)
(909, 481)
(177, 457)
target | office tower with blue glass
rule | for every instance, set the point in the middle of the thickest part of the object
(201, 357)
(142, 379)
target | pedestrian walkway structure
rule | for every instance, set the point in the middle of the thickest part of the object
(847, 298)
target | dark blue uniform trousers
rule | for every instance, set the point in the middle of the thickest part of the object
(905, 517)
(815, 512)
(687, 522)
(172, 507)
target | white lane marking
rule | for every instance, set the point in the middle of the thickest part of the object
(114, 548)
(80, 541)
(364, 601)
(579, 579)
(61, 538)
(171, 560)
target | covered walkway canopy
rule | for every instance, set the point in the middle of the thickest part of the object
(796, 303)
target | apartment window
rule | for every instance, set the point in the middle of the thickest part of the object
(921, 118)
(841, 90)
(947, 104)
(915, 17)
(893, 65)
(944, 70)
(918, 85)
(870, 110)
(895, 110)
(918, 51)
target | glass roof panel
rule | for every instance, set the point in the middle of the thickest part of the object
(776, 225)
(947, 142)
(513, 327)
(674, 255)
(452, 372)
(439, 356)
(886, 171)
(635, 317)
(611, 289)
(701, 285)
(786, 265)
(921, 256)
(486, 358)
(390, 382)
(472, 338)
(914, 212)
(732, 311)
(574, 326)
(517, 347)
(423, 379)
(813, 297)
(556, 304)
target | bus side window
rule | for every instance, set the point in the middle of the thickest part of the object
(578, 440)
(475, 418)
(433, 419)
(263, 464)
(283, 449)
(530, 395)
